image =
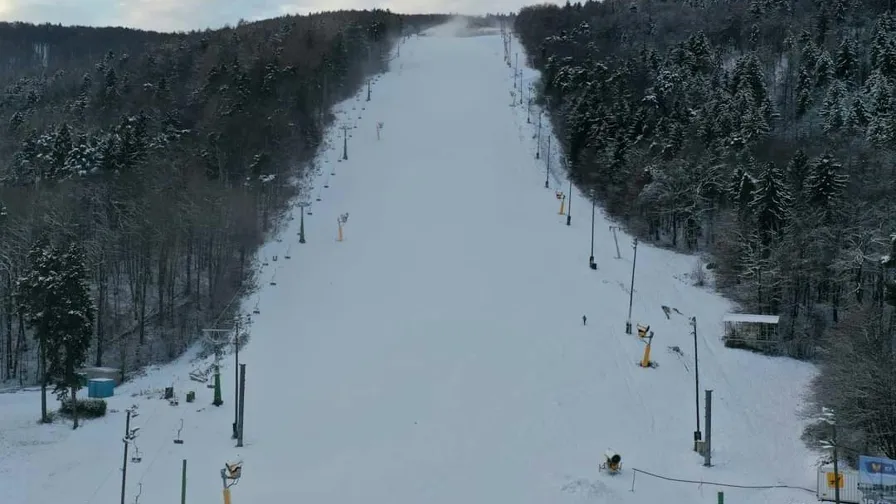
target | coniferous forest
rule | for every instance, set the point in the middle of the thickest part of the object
(760, 133)
(158, 163)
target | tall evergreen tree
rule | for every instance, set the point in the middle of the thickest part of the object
(797, 171)
(833, 111)
(55, 298)
(824, 70)
(771, 201)
(75, 316)
(847, 64)
(35, 291)
(825, 184)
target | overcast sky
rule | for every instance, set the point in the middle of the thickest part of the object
(173, 15)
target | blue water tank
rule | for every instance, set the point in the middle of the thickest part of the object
(100, 387)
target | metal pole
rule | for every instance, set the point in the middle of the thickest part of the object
(547, 169)
(302, 225)
(345, 143)
(616, 241)
(538, 143)
(697, 434)
(836, 463)
(236, 377)
(239, 440)
(569, 205)
(591, 263)
(707, 454)
(631, 293)
(183, 483)
(368, 89)
(124, 467)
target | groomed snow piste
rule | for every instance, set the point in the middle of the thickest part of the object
(437, 355)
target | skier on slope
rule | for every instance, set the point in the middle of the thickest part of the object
(584, 320)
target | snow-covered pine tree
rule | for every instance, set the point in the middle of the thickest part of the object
(83, 158)
(857, 116)
(35, 293)
(803, 91)
(742, 189)
(833, 110)
(55, 298)
(825, 184)
(878, 94)
(824, 70)
(771, 202)
(75, 315)
(797, 171)
(847, 62)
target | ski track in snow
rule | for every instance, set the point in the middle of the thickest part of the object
(437, 354)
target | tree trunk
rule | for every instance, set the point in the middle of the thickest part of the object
(210, 272)
(74, 389)
(45, 379)
(189, 264)
(144, 284)
(160, 284)
(8, 318)
(102, 291)
(18, 366)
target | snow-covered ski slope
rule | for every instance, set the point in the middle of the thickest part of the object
(437, 355)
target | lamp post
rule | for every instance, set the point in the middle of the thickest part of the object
(302, 205)
(538, 143)
(569, 205)
(529, 106)
(631, 292)
(827, 416)
(697, 435)
(591, 263)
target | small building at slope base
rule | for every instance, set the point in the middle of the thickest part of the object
(751, 332)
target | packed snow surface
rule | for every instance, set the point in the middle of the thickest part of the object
(438, 354)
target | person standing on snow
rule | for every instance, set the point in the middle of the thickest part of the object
(584, 320)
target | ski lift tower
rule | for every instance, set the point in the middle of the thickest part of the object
(218, 338)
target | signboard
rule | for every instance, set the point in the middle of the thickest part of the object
(877, 480)
(826, 491)
(831, 483)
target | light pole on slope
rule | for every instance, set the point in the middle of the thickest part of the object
(631, 293)
(569, 205)
(538, 143)
(302, 206)
(827, 416)
(697, 435)
(591, 263)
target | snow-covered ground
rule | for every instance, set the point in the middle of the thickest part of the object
(437, 355)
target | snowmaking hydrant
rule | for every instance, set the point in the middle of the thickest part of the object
(612, 463)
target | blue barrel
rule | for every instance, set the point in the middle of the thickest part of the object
(100, 387)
